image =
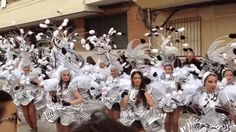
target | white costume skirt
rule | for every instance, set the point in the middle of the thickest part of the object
(199, 124)
(152, 119)
(66, 115)
(26, 95)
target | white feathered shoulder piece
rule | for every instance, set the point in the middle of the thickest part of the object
(50, 84)
(134, 53)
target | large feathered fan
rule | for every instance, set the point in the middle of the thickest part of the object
(62, 45)
(136, 53)
(165, 41)
(220, 53)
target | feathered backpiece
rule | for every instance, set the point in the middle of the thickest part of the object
(136, 53)
(221, 53)
(19, 46)
(62, 43)
(167, 51)
(103, 45)
(20, 50)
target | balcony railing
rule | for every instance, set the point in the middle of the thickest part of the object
(102, 2)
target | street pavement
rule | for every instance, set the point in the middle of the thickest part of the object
(44, 126)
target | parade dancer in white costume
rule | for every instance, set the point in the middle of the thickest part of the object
(71, 102)
(26, 95)
(228, 84)
(171, 106)
(114, 85)
(139, 105)
(66, 96)
(228, 77)
(212, 106)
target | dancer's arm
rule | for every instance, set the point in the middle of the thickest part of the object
(78, 99)
(149, 99)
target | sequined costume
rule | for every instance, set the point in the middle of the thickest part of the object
(77, 113)
(210, 120)
(57, 112)
(151, 118)
(172, 98)
(28, 92)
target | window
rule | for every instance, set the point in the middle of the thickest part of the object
(102, 24)
(192, 33)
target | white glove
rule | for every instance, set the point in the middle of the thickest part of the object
(195, 68)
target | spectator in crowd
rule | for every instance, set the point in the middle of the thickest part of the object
(114, 112)
(191, 58)
(101, 123)
(137, 125)
(8, 118)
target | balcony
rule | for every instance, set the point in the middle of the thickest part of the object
(103, 2)
(162, 4)
(25, 12)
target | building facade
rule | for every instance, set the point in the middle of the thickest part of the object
(204, 20)
(99, 15)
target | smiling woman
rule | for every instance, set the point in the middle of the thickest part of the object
(8, 116)
(213, 107)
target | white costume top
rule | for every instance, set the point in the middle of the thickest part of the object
(210, 120)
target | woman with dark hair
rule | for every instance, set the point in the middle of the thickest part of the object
(138, 94)
(212, 106)
(8, 117)
(138, 104)
(67, 97)
(70, 102)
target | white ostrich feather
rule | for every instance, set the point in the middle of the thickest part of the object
(135, 53)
